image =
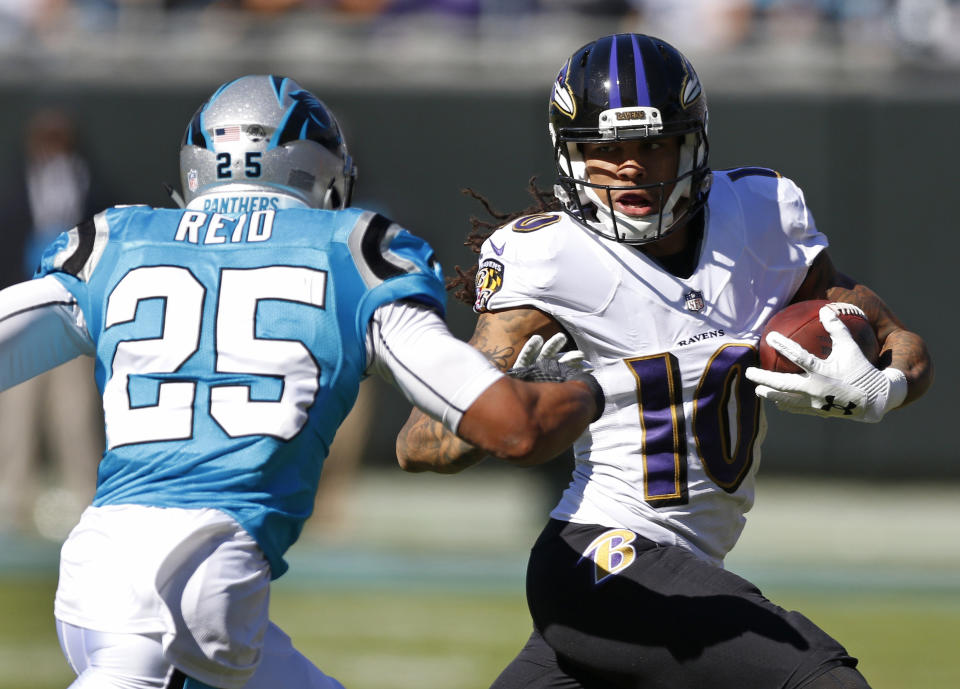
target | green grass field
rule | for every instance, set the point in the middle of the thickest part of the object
(422, 640)
(422, 589)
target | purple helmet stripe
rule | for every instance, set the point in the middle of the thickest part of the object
(614, 76)
(643, 90)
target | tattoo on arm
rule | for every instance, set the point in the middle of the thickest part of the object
(899, 348)
(499, 337)
(447, 452)
(499, 354)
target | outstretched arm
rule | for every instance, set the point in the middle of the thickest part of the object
(41, 327)
(423, 444)
(899, 348)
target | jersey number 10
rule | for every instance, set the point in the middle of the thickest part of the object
(723, 423)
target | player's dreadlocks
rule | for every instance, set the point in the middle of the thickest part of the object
(463, 284)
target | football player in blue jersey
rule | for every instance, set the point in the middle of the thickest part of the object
(663, 274)
(230, 338)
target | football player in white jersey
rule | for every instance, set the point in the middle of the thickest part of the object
(231, 337)
(663, 274)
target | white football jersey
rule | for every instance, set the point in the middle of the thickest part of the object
(675, 453)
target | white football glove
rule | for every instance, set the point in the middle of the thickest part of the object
(539, 362)
(844, 385)
(535, 350)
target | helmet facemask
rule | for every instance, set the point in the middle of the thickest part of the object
(592, 204)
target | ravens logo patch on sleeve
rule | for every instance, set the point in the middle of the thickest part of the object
(489, 282)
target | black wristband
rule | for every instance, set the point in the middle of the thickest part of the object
(598, 397)
(551, 371)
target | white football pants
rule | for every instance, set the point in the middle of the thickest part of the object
(135, 661)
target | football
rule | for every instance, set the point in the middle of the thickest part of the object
(801, 323)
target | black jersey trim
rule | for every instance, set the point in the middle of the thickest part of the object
(177, 680)
(37, 307)
(370, 248)
(86, 234)
(742, 172)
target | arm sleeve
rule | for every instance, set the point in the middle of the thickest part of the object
(411, 346)
(41, 327)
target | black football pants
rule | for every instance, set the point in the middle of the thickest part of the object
(664, 620)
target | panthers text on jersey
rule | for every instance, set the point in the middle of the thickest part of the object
(675, 453)
(230, 344)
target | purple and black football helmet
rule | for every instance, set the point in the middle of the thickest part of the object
(627, 87)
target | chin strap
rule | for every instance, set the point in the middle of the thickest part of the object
(175, 195)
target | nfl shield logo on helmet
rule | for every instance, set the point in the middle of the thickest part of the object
(693, 300)
(192, 178)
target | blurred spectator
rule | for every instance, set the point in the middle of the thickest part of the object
(924, 26)
(701, 25)
(592, 8)
(361, 7)
(50, 427)
(21, 19)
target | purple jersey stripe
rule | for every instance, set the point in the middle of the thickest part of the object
(643, 90)
(614, 76)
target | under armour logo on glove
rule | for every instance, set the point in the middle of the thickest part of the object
(846, 408)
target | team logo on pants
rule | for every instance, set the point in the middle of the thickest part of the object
(611, 552)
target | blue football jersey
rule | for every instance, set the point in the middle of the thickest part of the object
(230, 344)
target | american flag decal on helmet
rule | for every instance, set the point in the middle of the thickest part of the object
(230, 132)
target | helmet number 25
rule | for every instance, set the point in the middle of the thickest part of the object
(238, 351)
(251, 165)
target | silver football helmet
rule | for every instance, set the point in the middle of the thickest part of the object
(267, 133)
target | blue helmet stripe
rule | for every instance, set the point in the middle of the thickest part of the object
(278, 84)
(643, 89)
(194, 135)
(281, 130)
(615, 101)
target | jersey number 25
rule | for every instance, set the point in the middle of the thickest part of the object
(237, 350)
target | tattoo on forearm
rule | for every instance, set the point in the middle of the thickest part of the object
(429, 437)
(907, 350)
(899, 348)
(499, 356)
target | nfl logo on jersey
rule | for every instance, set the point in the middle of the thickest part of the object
(693, 300)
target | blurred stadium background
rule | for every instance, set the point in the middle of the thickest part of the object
(417, 581)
